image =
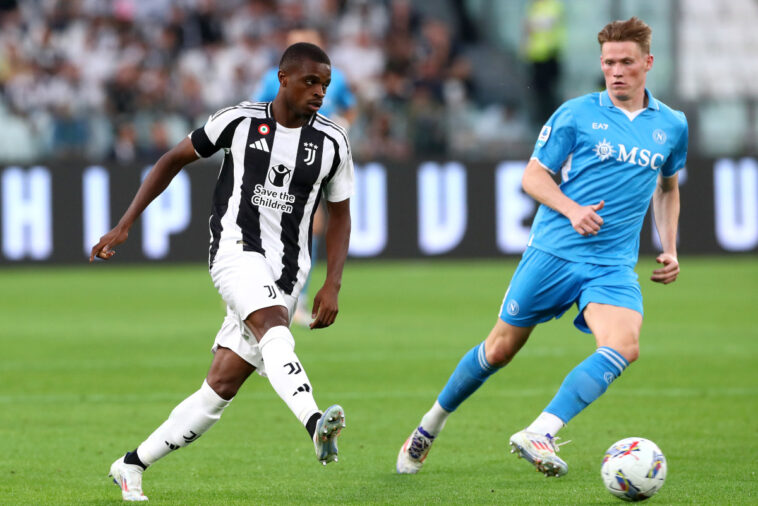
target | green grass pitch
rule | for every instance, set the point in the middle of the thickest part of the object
(95, 357)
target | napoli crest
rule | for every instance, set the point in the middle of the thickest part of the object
(659, 136)
(512, 307)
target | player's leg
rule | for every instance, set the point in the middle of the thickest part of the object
(616, 331)
(261, 311)
(610, 307)
(501, 345)
(556, 285)
(615, 327)
(540, 290)
(483, 360)
(290, 381)
(201, 410)
(186, 423)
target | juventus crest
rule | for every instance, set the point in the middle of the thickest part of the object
(310, 152)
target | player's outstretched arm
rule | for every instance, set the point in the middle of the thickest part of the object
(666, 213)
(156, 181)
(541, 187)
(325, 305)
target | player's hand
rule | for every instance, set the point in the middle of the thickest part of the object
(670, 270)
(585, 219)
(104, 248)
(325, 307)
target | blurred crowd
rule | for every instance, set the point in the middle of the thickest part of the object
(126, 79)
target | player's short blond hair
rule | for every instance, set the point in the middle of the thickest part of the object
(633, 29)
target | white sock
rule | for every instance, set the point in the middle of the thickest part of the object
(434, 419)
(187, 422)
(546, 423)
(285, 372)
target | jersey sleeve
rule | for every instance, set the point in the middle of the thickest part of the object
(339, 186)
(556, 140)
(217, 132)
(678, 155)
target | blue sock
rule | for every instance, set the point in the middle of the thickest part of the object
(588, 381)
(472, 371)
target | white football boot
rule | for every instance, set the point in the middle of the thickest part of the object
(129, 478)
(414, 451)
(540, 450)
(328, 428)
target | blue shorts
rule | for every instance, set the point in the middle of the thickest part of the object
(545, 286)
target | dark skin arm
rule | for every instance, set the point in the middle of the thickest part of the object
(156, 181)
(337, 235)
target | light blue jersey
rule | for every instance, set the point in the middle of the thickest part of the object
(337, 99)
(602, 154)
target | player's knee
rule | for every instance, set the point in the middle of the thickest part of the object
(627, 348)
(503, 342)
(261, 321)
(625, 339)
(631, 352)
(499, 351)
(225, 387)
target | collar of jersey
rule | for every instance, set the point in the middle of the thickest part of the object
(279, 126)
(652, 103)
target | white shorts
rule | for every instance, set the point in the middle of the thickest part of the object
(246, 283)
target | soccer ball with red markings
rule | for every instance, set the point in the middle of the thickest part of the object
(633, 469)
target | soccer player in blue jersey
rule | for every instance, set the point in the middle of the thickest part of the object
(615, 151)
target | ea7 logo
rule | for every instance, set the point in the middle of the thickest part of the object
(599, 126)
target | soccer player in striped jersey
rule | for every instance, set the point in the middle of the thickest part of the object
(339, 106)
(615, 150)
(280, 158)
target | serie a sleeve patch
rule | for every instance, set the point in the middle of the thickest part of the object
(544, 133)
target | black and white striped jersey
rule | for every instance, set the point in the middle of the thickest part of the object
(270, 183)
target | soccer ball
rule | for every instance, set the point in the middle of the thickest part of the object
(633, 469)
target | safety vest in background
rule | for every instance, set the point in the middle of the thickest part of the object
(544, 23)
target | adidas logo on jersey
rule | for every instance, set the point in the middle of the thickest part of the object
(260, 144)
